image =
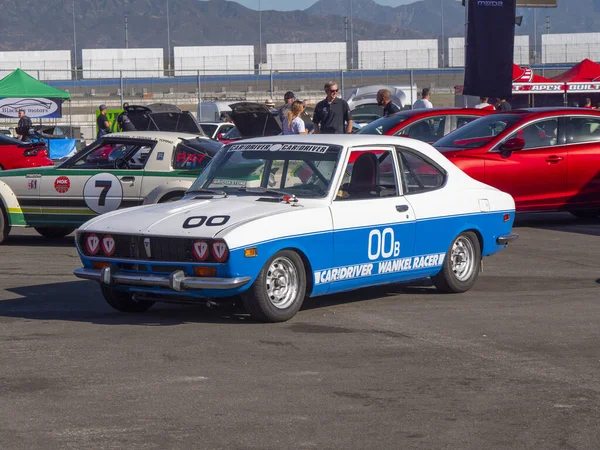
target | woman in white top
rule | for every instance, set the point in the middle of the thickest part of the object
(292, 123)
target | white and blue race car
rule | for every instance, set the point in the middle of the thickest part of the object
(281, 219)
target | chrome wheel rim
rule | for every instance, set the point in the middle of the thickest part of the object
(463, 258)
(282, 282)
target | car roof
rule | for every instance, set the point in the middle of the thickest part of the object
(156, 135)
(555, 109)
(449, 110)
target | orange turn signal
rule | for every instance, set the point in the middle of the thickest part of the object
(251, 252)
(100, 264)
(205, 271)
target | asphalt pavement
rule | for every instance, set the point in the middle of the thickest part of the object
(512, 364)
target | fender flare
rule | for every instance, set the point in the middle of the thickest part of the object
(11, 205)
(156, 194)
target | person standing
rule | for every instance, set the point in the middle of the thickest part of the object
(588, 103)
(24, 126)
(292, 122)
(424, 102)
(384, 98)
(288, 99)
(123, 121)
(331, 113)
(503, 105)
(484, 104)
(102, 122)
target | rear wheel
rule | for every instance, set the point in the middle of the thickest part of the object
(461, 265)
(4, 225)
(586, 213)
(123, 301)
(279, 290)
(54, 232)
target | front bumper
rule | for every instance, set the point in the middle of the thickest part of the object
(177, 280)
(506, 238)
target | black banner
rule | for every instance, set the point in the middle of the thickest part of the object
(490, 47)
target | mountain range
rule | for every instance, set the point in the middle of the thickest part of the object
(47, 25)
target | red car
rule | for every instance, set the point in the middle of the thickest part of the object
(548, 159)
(426, 125)
(15, 154)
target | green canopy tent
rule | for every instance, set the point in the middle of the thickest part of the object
(20, 84)
(19, 90)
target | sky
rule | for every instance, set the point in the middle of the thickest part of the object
(287, 5)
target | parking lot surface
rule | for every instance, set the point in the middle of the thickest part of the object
(514, 363)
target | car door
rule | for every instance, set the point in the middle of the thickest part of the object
(582, 138)
(535, 176)
(373, 223)
(102, 178)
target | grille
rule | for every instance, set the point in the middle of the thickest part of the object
(162, 248)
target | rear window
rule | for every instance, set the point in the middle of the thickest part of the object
(478, 133)
(383, 125)
(7, 140)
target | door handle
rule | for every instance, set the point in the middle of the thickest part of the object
(401, 208)
(128, 179)
(554, 159)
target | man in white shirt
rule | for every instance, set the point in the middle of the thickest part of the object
(484, 104)
(423, 102)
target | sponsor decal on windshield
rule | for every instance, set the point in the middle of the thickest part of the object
(311, 148)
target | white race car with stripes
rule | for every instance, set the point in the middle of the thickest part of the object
(117, 171)
(282, 219)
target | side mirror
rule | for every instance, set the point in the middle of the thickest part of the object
(513, 144)
(220, 136)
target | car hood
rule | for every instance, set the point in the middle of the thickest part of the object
(184, 217)
(255, 119)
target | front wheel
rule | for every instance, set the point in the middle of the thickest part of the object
(54, 232)
(279, 290)
(461, 265)
(123, 301)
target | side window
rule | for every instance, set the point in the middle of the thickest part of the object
(463, 120)
(369, 174)
(188, 158)
(582, 129)
(419, 175)
(539, 134)
(113, 155)
(427, 130)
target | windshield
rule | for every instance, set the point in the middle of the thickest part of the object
(304, 170)
(383, 125)
(209, 130)
(477, 133)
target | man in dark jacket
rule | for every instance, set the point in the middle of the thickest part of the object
(123, 121)
(384, 98)
(102, 122)
(332, 113)
(24, 126)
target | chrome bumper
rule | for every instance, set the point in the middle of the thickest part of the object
(506, 238)
(177, 280)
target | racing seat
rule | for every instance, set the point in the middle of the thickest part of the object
(364, 181)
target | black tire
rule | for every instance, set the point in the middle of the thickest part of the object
(172, 197)
(447, 280)
(123, 301)
(54, 232)
(261, 304)
(4, 224)
(586, 213)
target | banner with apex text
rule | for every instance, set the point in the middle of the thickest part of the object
(490, 47)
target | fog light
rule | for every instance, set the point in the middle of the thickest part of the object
(251, 252)
(100, 264)
(205, 271)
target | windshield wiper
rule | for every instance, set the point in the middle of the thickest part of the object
(207, 191)
(263, 191)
